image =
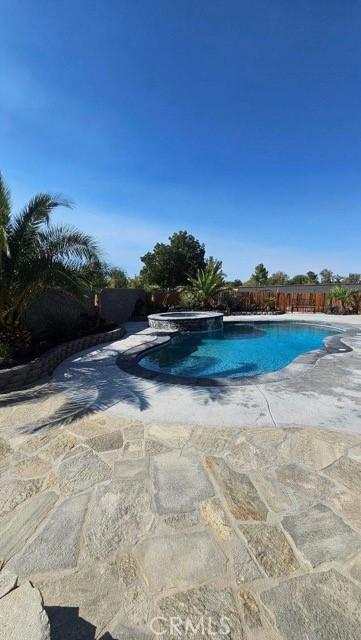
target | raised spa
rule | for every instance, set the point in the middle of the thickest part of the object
(239, 350)
(185, 321)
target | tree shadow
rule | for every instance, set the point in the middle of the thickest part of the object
(65, 622)
(91, 382)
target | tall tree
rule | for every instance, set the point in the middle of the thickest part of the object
(300, 278)
(312, 277)
(170, 265)
(260, 275)
(278, 277)
(326, 276)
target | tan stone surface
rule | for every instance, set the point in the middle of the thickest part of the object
(242, 498)
(271, 549)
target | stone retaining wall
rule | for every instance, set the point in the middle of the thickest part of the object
(24, 374)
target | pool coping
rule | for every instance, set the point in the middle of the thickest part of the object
(128, 361)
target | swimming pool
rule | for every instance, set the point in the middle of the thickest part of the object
(239, 350)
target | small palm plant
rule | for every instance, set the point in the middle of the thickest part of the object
(207, 283)
(36, 255)
(348, 298)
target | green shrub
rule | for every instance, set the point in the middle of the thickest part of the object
(188, 300)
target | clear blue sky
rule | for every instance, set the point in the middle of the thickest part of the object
(239, 121)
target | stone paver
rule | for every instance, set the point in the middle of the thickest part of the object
(13, 492)
(106, 441)
(180, 482)
(320, 606)
(271, 549)
(81, 471)
(22, 615)
(241, 495)
(321, 535)
(118, 515)
(24, 522)
(346, 471)
(304, 485)
(8, 582)
(179, 561)
(57, 546)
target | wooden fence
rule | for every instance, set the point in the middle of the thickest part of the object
(246, 301)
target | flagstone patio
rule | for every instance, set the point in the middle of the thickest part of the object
(125, 526)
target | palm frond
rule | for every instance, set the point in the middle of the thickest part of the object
(5, 211)
(68, 243)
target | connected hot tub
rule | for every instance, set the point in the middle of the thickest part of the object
(185, 321)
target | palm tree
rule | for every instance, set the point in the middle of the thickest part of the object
(207, 283)
(36, 255)
(346, 297)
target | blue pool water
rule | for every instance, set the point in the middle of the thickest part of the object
(237, 351)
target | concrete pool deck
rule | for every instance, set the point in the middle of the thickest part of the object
(327, 394)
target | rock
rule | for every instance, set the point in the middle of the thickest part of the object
(131, 469)
(133, 449)
(134, 432)
(57, 545)
(95, 424)
(24, 523)
(8, 582)
(319, 606)
(92, 593)
(58, 446)
(118, 515)
(214, 441)
(180, 482)
(134, 601)
(215, 517)
(33, 467)
(22, 615)
(182, 520)
(177, 561)
(251, 611)
(201, 613)
(321, 535)
(271, 549)
(14, 492)
(81, 471)
(36, 441)
(153, 447)
(304, 486)
(242, 498)
(106, 441)
(264, 437)
(277, 496)
(243, 567)
(347, 471)
(312, 450)
(355, 453)
(5, 453)
(355, 570)
(172, 435)
(349, 506)
(245, 456)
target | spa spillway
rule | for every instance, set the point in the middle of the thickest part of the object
(185, 321)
